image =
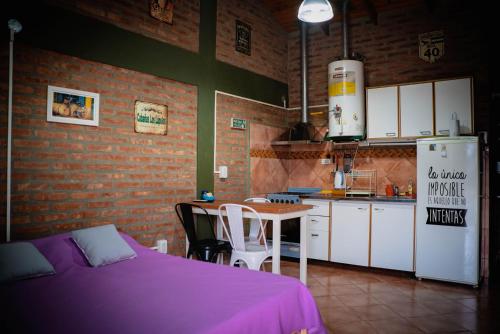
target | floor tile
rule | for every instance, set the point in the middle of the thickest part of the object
(394, 326)
(374, 312)
(447, 307)
(351, 328)
(437, 324)
(352, 300)
(359, 299)
(338, 315)
(346, 290)
(412, 309)
(392, 297)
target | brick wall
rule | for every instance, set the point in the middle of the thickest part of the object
(269, 40)
(69, 176)
(391, 51)
(134, 15)
(233, 146)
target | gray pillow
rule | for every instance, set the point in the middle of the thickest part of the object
(19, 260)
(102, 245)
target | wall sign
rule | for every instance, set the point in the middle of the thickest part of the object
(243, 38)
(431, 46)
(150, 118)
(238, 123)
(446, 198)
(162, 10)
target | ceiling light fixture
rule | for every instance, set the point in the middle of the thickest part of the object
(315, 11)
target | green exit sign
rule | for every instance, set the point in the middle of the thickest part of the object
(238, 123)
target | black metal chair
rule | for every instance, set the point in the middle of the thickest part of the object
(206, 249)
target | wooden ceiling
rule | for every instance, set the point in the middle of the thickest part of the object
(285, 11)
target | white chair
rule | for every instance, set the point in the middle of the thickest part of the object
(253, 235)
(251, 254)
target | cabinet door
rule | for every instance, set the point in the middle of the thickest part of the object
(320, 208)
(392, 236)
(318, 223)
(350, 233)
(382, 112)
(453, 96)
(317, 245)
(416, 110)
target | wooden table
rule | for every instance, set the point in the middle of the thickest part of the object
(276, 213)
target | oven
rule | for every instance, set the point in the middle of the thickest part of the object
(290, 228)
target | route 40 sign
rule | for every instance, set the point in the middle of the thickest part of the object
(431, 46)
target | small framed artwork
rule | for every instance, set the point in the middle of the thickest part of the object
(162, 10)
(243, 38)
(150, 118)
(72, 106)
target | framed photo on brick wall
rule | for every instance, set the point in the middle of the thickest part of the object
(72, 106)
(243, 38)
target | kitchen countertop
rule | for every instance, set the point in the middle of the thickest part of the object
(398, 199)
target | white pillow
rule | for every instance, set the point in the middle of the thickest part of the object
(20, 260)
(102, 245)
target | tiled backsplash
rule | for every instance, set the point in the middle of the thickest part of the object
(275, 168)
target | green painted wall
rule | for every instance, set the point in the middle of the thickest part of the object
(69, 33)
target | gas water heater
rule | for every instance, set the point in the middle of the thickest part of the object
(346, 100)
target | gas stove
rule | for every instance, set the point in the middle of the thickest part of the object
(292, 196)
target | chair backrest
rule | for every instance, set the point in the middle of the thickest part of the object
(185, 213)
(234, 227)
(254, 230)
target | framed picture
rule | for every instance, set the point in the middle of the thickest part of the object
(72, 106)
(162, 10)
(150, 118)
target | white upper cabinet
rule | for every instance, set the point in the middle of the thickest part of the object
(453, 96)
(416, 110)
(420, 109)
(382, 112)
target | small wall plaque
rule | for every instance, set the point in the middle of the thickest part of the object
(431, 46)
(243, 38)
(238, 123)
(150, 118)
(162, 10)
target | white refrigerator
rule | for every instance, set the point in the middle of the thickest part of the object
(447, 220)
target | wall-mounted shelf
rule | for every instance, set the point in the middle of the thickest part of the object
(365, 143)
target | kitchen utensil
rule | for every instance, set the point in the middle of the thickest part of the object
(389, 190)
(339, 180)
(454, 125)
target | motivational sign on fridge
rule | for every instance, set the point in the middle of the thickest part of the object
(446, 198)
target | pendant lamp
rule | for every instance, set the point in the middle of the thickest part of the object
(315, 11)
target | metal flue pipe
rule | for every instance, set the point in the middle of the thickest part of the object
(303, 59)
(345, 33)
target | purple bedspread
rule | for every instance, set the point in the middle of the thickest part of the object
(154, 293)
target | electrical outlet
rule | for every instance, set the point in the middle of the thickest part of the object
(325, 161)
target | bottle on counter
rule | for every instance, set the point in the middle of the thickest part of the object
(410, 187)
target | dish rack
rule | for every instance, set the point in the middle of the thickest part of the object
(361, 183)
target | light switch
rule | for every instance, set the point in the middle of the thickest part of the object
(222, 172)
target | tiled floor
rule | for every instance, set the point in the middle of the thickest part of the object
(353, 300)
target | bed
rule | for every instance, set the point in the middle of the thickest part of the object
(154, 293)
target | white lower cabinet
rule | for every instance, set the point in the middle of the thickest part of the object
(350, 232)
(317, 245)
(392, 236)
(318, 228)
